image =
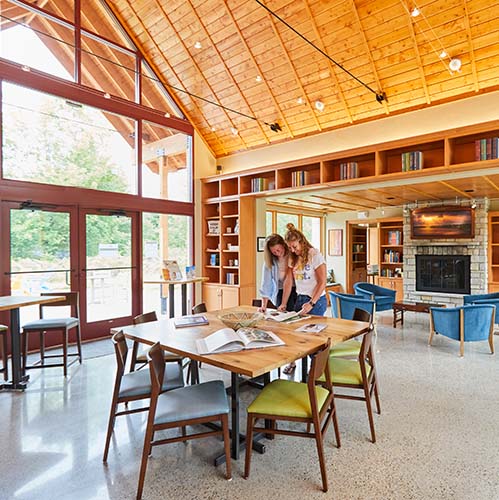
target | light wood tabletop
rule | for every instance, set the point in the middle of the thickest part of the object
(9, 302)
(183, 281)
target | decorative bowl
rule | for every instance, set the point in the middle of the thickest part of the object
(237, 320)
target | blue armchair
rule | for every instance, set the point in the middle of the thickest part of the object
(469, 323)
(484, 298)
(384, 297)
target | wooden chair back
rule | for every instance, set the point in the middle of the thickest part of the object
(145, 318)
(71, 299)
(157, 367)
(320, 365)
(121, 351)
(199, 308)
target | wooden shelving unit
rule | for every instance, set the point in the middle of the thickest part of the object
(391, 255)
(357, 254)
(493, 251)
(230, 284)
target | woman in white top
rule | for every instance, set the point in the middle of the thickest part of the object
(308, 268)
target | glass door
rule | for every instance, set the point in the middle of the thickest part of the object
(41, 252)
(109, 270)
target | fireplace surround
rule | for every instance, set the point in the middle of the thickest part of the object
(443, 273)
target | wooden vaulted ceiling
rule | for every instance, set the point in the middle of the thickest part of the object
(378, 41)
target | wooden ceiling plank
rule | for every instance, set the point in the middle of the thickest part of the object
(470, 42)
(459, 191)
(259, 72)
(492, 183)
(222, 61)
(332, 69)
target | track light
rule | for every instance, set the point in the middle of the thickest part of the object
(473, 203)
(455, 64)
(275, 127)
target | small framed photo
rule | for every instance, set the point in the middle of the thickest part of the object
(213, 227)
(260, 244)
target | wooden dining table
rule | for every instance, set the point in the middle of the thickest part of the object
(12, 303)
(251, 362)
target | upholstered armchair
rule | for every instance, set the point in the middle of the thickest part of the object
(469, 323)
(484, 298)
(384, 297)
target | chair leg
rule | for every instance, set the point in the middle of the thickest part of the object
(249, 441)
(491, 343)
(228, 463)
(65, 352)
(369, 412)
(24, 357)
(143, 465)
(5, 360)
(42, 348)
(110, 427)
(376, 394)
(320, 452)
(335, 424)
(78, 343)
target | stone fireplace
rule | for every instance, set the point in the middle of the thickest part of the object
(444, 254)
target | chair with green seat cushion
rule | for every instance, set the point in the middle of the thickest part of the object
(5, 366)
(287, 400)
(357, 374)
(134, 386)
(187, 406)
(351, 348)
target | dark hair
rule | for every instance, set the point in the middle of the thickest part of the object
(271, 241)
(294, 234)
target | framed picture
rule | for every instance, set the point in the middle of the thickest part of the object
(335, 240)
(260, 243)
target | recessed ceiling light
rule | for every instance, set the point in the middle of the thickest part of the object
(443, 54)
(234, 130)
(24, 67)
(319, 105)
(167, 115)
(415, 12)
(299, 100)
(197, 45)
(213, 129)
(258, 78)
(107, 95)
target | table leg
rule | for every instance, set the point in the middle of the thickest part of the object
(171, 299)
(19, 381)
(304, 368)
(184, 299)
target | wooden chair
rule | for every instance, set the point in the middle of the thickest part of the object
(357, 374)
(190, 405)
(351, 348)
(3, 345)
(134, 386)
(141, 357)
(45, 326)
(292, 401)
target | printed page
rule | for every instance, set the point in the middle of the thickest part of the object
(275, 315)
(254, 337)
(220, 340)
(312, 328)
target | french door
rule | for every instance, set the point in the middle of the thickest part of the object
(61, 248)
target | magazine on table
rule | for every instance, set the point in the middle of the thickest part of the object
(229, 340)
(312, 328)
(186, 321)
(283, 317)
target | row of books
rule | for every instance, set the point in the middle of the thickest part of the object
(349, 170)
(412, 160)
(394, 238)
(391, 273)
(300, 178)
(391, 256)
(487, 149)
(214, 259)
(232, 279)
(261, 184)
(358, 247)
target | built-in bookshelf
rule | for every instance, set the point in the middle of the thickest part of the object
(391, 255)
(493, 257)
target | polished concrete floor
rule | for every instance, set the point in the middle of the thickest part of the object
(437, 436)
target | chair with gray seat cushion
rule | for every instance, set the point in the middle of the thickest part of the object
(48, 326)
(191, 405)
(3, 345)
(134, 386)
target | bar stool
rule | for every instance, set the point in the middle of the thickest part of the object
(62, 326)
(5, 366)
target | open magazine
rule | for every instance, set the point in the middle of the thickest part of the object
(283, 317)
(229, 340)
(186, 321)
(312, 328)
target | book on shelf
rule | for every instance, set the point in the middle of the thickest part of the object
(349, 170)
(487, 149)
(259, 184)
(283, 317)
(186, 321)
(300, 178)
(312, 328)
(229, 340)
(171, 270)
(412, 160)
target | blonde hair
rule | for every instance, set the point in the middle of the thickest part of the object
(294, 234)
(271, 241)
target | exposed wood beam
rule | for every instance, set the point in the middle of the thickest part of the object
(462, 193)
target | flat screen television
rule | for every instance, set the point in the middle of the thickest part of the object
(442, 222)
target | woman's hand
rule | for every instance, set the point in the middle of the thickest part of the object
(262, 309)
(282, 308)
(306, 308)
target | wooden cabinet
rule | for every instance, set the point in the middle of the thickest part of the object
(396, 284)
(228, 244)
(356, 255)
(493, 252)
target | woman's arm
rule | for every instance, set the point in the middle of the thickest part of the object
(320, 276)
(286, 289)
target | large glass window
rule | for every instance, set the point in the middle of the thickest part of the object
(165, 237)
(48, 139)
(166, 163)
(283, 219)
(311, 228)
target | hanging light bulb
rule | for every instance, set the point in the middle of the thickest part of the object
(319, 105)
(234, 130)
(415, 12)
(443, 54)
